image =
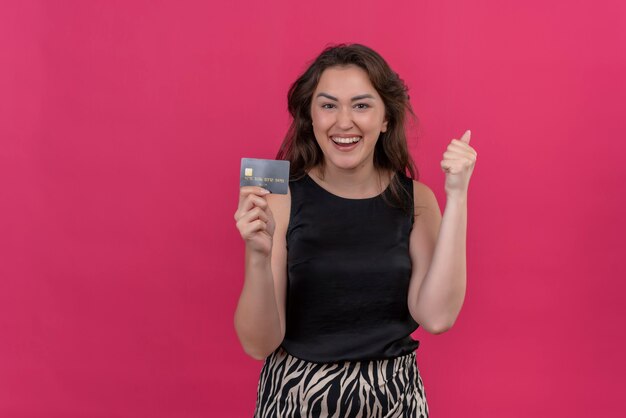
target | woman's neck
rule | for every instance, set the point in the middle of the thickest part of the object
(365, 182)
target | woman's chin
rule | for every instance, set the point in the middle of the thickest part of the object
(345, 163)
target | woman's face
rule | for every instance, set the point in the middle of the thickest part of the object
(348, 116)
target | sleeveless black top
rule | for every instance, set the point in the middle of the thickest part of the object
(349, 270)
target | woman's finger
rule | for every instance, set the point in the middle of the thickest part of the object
(250, 201)
(255, 213)
(246, 191)
(463, 149)
(252, 228)
(452, 155)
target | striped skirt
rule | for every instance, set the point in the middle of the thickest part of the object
(290, 387)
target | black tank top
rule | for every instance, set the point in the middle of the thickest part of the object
(349, 270)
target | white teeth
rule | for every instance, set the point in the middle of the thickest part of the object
(346, 140)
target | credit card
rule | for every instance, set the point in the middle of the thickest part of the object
(272, 175)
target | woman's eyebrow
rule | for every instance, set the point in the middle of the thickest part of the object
(360, 96)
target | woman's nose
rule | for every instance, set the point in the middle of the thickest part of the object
(344, 118)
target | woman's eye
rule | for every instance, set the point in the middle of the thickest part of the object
(357, 106)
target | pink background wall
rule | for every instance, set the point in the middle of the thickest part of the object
(122, 124)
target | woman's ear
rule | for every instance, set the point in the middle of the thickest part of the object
(384, 129)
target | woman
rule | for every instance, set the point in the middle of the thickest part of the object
(341, 270)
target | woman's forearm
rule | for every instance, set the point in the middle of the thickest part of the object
(442, 292)
(257, 321)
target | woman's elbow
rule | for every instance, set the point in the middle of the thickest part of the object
(436, 327)
(257, 355)
(260, 352)
(255, 351)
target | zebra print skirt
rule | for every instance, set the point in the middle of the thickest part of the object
(290, 387)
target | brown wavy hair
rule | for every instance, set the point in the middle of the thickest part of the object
(391, 152)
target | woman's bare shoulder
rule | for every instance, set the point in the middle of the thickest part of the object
(421, 188)
(423, 196)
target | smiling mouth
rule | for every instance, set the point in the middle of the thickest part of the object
(345, 141)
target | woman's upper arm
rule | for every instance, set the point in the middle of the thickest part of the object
(427, 220)
(280, 205)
